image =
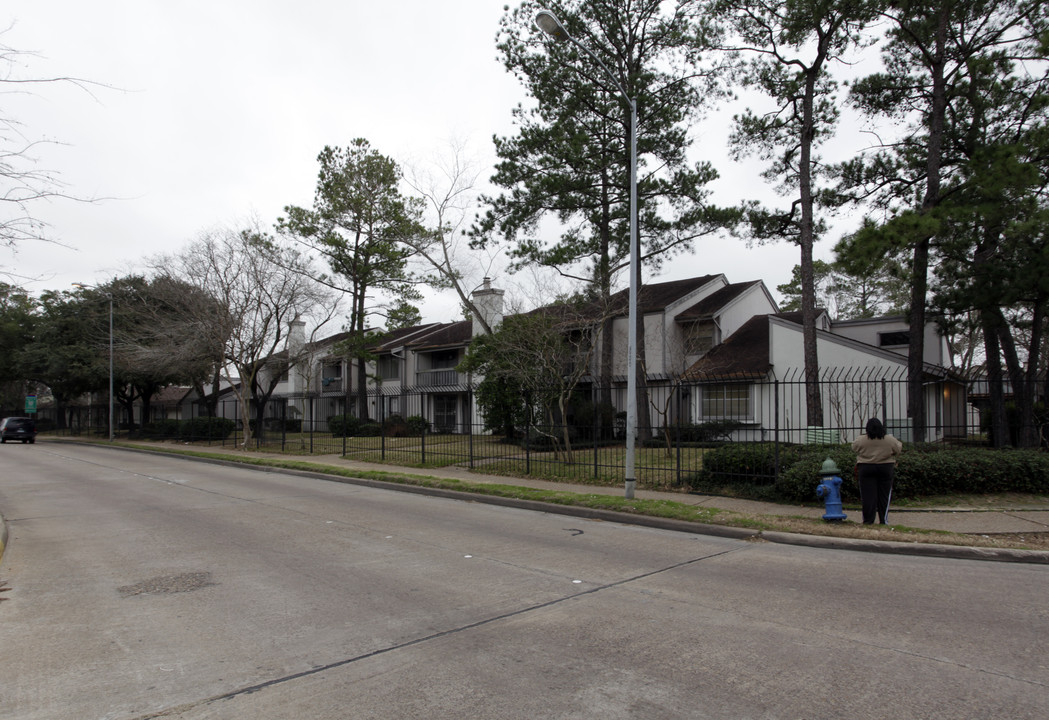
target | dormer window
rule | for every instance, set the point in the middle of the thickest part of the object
(700, 337)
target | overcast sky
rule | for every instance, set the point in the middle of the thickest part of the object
(215, 112)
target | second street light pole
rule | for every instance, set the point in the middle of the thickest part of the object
(549, 24)
(111, 437)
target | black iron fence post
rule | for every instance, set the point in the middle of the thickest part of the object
(775, 411)
(596, 431)
(382, 422)
(528, 441)
(283, 425)
(470, 423)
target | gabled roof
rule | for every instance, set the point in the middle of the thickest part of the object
(655, 297)
(709, 306)
(171, 395)
(403, 336)
(744, 353)
(455, 334)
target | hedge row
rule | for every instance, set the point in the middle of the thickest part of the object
(198, 428)
(923, 470)
(394, 426)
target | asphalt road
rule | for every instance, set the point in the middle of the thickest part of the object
(141, 586)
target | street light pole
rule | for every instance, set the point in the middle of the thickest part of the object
(110, 296)
(549, 24)
(111, 436)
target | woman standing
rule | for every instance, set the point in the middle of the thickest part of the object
(876, 455)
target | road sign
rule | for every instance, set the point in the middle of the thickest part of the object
(30, 404)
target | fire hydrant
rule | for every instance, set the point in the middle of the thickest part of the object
(831, 489)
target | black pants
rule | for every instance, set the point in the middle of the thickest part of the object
(875, 490)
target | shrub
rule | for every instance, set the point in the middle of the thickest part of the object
(344, 425)
(926, 470)
(162, 428)
(417, 425)
(799, 478)
(743, 463)
(206, 428)
(703, 432)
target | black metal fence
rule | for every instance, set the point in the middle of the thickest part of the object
(677, 424)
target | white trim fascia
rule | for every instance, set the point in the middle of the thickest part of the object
(838, 340)
(691, 298)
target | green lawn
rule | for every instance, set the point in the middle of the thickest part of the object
(654, 467)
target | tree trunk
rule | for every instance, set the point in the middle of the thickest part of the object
(806, 238)
(916, 341)
(362, 370)
(999, 427)
(920, 265)
(1029, 431)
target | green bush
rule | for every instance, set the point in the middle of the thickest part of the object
(206, 428)
(344, 425)
(744, 463)
(369, 429)
(801, 475)
(703, 432)
(925, 470)
(162, 429)
(417, 425)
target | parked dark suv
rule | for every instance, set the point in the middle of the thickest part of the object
(18, 428)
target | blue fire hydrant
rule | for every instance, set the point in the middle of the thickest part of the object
(831, 489)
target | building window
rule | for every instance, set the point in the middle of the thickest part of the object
(699, 338)
(331, 377)
(444, 359)
(389, 367)
(894, 339)
(727, 401)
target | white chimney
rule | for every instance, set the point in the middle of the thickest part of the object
(489, 304)
(296, 344)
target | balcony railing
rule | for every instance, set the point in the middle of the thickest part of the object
(331, 385)
(439, 378)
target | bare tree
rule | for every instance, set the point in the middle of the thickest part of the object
(261, 288)
(23, 183)
(449, 191)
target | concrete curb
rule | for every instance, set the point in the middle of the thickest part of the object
(890, 547)
(960, 552)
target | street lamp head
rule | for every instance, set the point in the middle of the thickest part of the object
(548, 23)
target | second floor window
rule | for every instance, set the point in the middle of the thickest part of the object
(699, 338)
(444, 359)
(389, 367)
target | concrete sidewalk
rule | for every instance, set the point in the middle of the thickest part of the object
(968, 521)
